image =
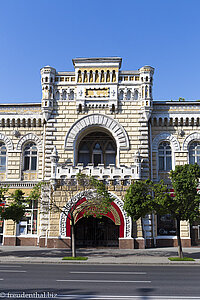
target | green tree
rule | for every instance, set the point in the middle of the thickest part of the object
(185, 203)
(144, 197)
(97, 201)
(12, 205)
(138, 200)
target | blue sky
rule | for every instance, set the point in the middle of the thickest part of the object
(162, 33)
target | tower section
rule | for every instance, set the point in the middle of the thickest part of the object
(47, 82)
(146, 79)
(97, 83)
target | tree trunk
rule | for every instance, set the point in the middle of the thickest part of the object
(73, 241)
(180, 251)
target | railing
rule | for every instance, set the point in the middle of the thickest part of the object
(100, 172)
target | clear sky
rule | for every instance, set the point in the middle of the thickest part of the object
(162, 33)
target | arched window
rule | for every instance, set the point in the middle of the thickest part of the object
(64, 95)
(136, 95)
(165, 156)
(108, 76)
(79, 76)
(96, 76)
(102, 76)
(85, 76)
(114, 76)
(71, 95)
(2, 157)
(128, 96)
(30, 157)
(57, 96)
(194, 153)
(91, 76)
(97, 148)
(121, 95)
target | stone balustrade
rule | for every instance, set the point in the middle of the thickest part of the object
(100, 172)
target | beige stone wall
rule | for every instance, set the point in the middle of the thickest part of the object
(65, 115)
(14, 157)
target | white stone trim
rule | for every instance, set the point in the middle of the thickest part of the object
(117, 131)
(165, 136)
(80, 195)
(7, 141)
(29, 137)
(195, 136)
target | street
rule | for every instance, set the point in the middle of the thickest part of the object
(57, 281)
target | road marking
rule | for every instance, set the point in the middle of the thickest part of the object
(13, 271)
(9, 266)
(105, 281)
(123, 273)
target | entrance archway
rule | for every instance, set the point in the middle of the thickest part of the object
(95, 232)
(116, 214)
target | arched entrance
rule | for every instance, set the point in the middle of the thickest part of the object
(119, 222)
(96, 232)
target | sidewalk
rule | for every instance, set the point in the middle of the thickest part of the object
(22, 254)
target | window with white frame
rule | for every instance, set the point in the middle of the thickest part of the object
(30, 157)
(165, 156)
(194, 152)
(2, 157)
(28, 225)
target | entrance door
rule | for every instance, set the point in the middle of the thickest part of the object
(94, 232)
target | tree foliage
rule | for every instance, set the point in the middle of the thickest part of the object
(185, 203)
(98, 201)
(144, 197)
(12, 205)
(138, 200)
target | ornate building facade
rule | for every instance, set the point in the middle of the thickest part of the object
(103, 122)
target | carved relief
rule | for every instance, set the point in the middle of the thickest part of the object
(193, 136)
(165, 136)
(75, 199)
(110, 124)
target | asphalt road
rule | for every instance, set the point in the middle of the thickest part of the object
(34, 281)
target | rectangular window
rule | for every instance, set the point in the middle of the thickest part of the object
(2, 163)
(192, 159)
(110, 159)
(61, 78)
(84, 158)
(168, 163)
(166, 225)
(137, 78)
(161, 163)
(97, 159)
(28, 225)
(26, 163)
(131, 78)
(34, 163)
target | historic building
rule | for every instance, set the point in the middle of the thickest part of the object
(102, 121)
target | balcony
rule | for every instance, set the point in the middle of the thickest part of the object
(100, 172)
